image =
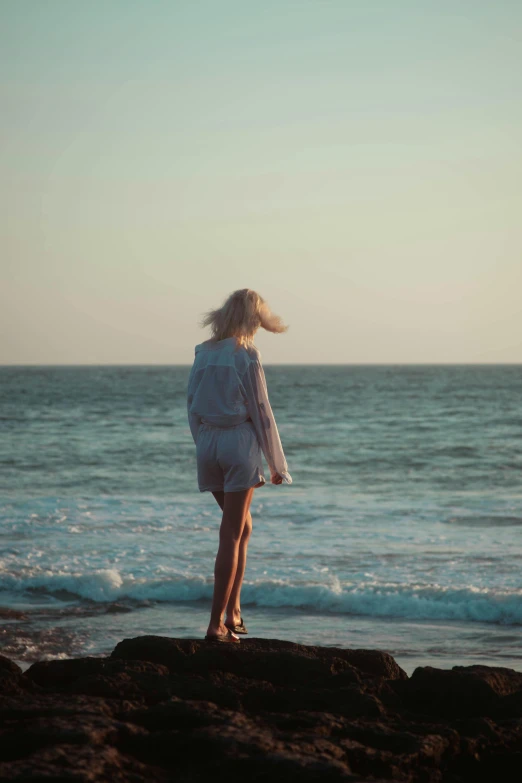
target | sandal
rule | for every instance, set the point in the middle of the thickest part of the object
(223, 638)
(237, 628)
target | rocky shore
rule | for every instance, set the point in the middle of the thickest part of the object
(160, 709)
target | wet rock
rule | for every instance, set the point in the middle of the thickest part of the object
(43, 705)
(173, 653)
(510, 706)
(464, 691)
(295, 660)
(22, 740)
(9, 666)
(86, 764)
(11, 614)
(502, 681)
(11, 678)
(179, 714)
(121, 679)
(160, 709)
(59, 674)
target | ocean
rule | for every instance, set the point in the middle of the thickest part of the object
(402, 529)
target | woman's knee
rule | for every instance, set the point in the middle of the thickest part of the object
(247, 528)
(235, 512)
(232, 526)
(235, 531)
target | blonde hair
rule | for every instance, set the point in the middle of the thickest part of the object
(241, 315)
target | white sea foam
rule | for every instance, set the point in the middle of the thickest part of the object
(100, 585)
(369, 598)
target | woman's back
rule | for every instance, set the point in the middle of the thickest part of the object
(215, 392)
(226, 387)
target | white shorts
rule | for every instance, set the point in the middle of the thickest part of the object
(229, 459)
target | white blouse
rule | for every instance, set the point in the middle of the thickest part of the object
(227, 385)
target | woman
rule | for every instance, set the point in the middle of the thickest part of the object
(231, 421)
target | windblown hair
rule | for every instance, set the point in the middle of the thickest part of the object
(240, 316)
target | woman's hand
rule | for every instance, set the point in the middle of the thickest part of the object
(275, 478)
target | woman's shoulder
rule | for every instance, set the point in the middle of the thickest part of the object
(231, 347)
(201, 346)
(253, 353)
(246, 356)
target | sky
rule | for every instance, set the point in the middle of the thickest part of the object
(357, 163)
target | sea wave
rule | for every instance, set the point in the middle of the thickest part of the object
(494, 520)
(370, 598)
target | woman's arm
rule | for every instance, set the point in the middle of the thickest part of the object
(194, 421)
(194, 424)
(260, 410)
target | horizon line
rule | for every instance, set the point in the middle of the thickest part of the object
(274, 364)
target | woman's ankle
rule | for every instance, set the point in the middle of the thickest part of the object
(221, 630)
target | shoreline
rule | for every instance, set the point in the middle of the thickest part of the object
(407, 664)
(412, 643)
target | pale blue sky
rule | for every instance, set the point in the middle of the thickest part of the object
(357, 163)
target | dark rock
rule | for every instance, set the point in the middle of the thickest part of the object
(11, 678)
(179, 714)
(11, 614)
(510, 706)
(370, 663)
(173, 653)
(349, 701)
(163, 709)
(502, 681)
(85, 764)
(104, 677)
(464, 691)
(223, 689)
(476, 727)
(59, 674)
(6, 665)
(43, 705)
(58, 730)
(299, 660)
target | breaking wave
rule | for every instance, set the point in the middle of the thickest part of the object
(370, 598)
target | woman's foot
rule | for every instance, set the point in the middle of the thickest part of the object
(220, 631)
(238, 626)
(233, 618)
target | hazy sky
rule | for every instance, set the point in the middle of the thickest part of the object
(357, 163)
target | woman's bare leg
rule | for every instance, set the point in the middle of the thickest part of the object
(220, 498)
(234, 599)
(233, 608)
(235, 509)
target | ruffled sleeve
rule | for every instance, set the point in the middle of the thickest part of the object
(260, 410)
